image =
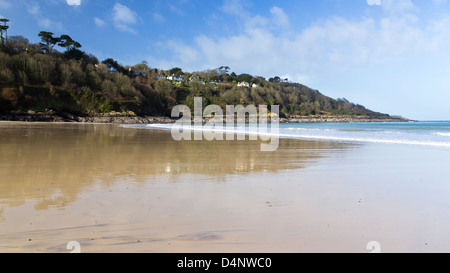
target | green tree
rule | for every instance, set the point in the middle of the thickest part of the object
(48, 41)
(245, 78)
(223, 70)
(197, 88)
(110, 62)
(275, 79)
(76, 54)
(67, 42)
(165, 88)
(176, 71)
(17, 44)
(142, 66)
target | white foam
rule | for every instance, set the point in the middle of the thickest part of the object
(269, 133)
(372, 140)
(309, 129)
(442, 134)
(390, 132)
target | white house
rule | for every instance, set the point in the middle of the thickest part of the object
(243, 84)
(175, 78)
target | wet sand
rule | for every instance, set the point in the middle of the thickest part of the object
(116, 189)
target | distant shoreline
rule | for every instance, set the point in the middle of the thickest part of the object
(122, 119)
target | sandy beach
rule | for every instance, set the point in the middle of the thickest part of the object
(115, 189)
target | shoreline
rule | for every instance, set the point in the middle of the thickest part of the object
(127, 119)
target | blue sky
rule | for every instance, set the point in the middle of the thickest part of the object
(392, 57)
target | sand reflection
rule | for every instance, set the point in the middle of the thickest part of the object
(53, 163)
(112, 188)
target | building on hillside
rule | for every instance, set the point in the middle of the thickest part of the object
(216, 82)
(194, 78)
(112, 69)
(175, 78)
(243, 84)
(161, 77)
(137, 72)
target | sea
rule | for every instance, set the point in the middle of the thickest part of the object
(423, 133)
(428, 133)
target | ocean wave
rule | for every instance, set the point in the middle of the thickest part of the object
(309, 129)
(389, 132)
(371, 140)
(283, 133)
(442, 134)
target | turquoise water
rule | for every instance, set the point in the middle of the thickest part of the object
(429, 133)
(432, 133)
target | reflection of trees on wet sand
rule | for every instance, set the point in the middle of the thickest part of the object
(53, 163)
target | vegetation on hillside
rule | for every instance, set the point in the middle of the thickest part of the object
(38, 77)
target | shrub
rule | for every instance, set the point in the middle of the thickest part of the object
(6, 75)
(110, 106)
(110, 89)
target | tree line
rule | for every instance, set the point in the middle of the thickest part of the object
(38, 77)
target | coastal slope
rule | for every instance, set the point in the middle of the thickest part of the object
(37, 84)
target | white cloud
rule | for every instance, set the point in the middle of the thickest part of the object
(158, 17)
(184, 53)
(34, 9)
(235, 7)
(124, 18)
(74, 2)
(43, 21)
(279, 17)
(333, 44)
(399, 6)
(439, 2)
(5, 4)
(176, 9)
(99, 22)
